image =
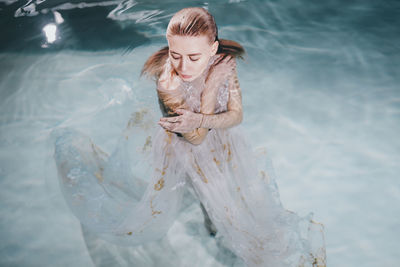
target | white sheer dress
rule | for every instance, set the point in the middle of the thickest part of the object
(128, 204)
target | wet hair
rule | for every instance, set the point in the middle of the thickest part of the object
(191, 21)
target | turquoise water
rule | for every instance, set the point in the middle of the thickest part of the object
(320, 91)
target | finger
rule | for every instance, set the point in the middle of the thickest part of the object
(170, 119)
(231, 60)
(181, 111)
(173, 127)
(164, 118)
(220, 56)
(166, 125)
(219, 59)
(227, 58)
(162, 124)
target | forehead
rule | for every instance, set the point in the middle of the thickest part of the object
(188, 44)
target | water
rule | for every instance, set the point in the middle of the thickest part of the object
(320, 91)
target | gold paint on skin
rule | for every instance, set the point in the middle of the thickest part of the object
(217, 161)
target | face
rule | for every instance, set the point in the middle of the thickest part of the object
(189, 55)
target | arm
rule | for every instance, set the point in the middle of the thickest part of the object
(234, 114)
(188, 121)
(231, 117)
(171, 100)
(208, 101)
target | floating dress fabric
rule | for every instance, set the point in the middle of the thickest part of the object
(112, 196)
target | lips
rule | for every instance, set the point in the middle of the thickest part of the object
(186, 76)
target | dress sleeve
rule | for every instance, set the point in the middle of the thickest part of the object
(207, 108)
(234, 113)
(208, 101)
(230, 118)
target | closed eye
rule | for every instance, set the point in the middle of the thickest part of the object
(174, 57)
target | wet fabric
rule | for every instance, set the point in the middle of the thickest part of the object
(133, 195)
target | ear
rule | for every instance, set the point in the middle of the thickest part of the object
(214, 48)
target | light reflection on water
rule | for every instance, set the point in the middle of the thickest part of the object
(320, 91)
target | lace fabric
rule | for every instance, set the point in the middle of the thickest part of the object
(222, 98)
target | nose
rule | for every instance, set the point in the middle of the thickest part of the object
(183, 65)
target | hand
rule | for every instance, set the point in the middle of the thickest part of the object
(186, 122)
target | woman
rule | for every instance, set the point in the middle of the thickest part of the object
(200, 98)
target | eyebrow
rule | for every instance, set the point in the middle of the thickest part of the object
(195, 54)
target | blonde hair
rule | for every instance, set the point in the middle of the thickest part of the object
(191, 21)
